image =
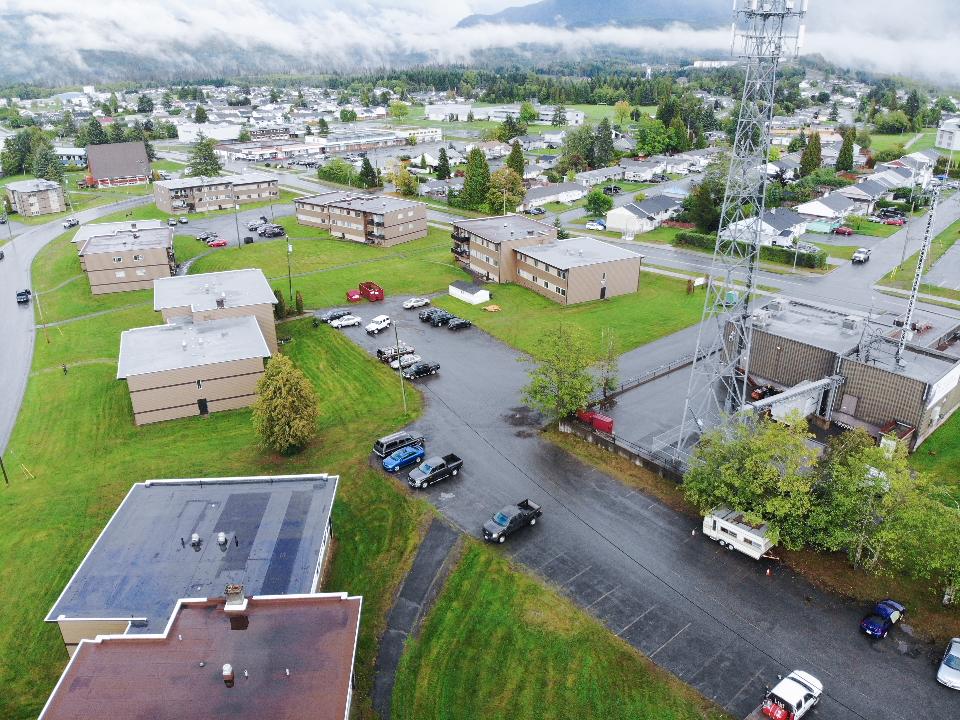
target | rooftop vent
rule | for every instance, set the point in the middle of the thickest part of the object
(851, 322)
(220, 302)
(183, 345)
(195, 540)
(228, 674)
(222, 539)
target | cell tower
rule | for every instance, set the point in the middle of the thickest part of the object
(764, 32)
(915, 288)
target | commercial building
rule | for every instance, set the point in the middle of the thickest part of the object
(372, 219)
(116, 164)
(485, 246)
(35, 197)
(124, 256)
(577, 270)
(263, 149)
(163, 543)
(199, 194)
(188, 369)
(210, 296)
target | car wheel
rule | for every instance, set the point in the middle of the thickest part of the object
(454, 472)
(433, 372)
(533, 521)
(502, 539)
(722, 543)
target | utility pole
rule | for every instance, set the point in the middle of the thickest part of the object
(403, 392)
(6, 480)
(289, 276)
(236, 218)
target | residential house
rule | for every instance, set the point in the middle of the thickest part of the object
(565, 192)
(531, 142)
(199, 194)
(441, 188)
(577, 270)
(948, 135)
(641, 170)
(779, 226)
(491, 149)
(832, 206)
(788, 170)
(699, 159)
(35, 197)
(674, 164)
(116, 164)
(485, 246)
(124, 256)
(600, 176)
(532, 172)
(554, 138)
(865, 194)
(74, 156)
(373, 219)
(625, 144)
(644, 216)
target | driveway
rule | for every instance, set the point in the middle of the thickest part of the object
(712, 618)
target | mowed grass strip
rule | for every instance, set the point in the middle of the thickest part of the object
(500, 644)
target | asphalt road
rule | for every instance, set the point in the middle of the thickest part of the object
(709, 616)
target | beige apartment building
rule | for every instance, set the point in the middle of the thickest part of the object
(485, 246)
(187, 369)
(578, 270)
(199, 194)
(373, 219)
(35, 197)
(124, 256)
(210, 296)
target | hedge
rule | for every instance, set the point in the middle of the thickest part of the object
(902, 206)
(770, 253)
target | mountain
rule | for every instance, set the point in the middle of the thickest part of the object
(577, 13)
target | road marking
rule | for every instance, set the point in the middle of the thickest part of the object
(669, 641)
(742, 688)
(615, 587)
(635, 620)
(576, 576)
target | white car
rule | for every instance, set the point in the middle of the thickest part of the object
(949, 672)
(346, 321)
(380, 322)
(793, 697)
(405, 361)
(592, 225)
(415, 303)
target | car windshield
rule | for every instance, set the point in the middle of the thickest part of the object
(873, 620)
(952, 662)
(426, 468)
(501, 519)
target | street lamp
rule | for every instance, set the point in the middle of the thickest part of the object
(236, 218)
(403, 392)
(289, 276)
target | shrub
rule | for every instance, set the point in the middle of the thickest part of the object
(769, 253)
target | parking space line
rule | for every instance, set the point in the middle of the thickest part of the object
(635, 620)
(742, 688)
(576, 576)
(615, 587)
(669, 641)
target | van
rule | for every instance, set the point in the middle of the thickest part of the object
(387, 445)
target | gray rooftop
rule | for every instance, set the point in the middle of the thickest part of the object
(111, 239)
(237, 288)
(196, 182)
(160, 348)
(577, 252)
(835, 201)
(924, 364)
(811, 324)
(552, 189)
(503, 228)
(377, 203)
(138, 568)
(29, 186)
(89, 230)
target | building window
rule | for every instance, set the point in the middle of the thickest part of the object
(141, 272)
(138, 257)
(118, 260)
(546, 284)
(563, 293)
(121, 273)
(199, 384)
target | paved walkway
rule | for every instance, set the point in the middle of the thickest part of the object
(419, 590)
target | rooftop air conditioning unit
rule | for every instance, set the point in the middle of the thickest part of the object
(851, 322)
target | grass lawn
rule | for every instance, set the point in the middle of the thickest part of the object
(661, 306)
(595, 113)
(662, 235)
(940, 457)
(167, 165)
(862, 226)
(879, 143)
(841, 252)
(902, 277)
(500, 644)
(559, 207)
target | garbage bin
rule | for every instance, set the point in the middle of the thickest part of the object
(248, 240)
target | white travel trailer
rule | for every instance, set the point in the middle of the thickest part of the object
(732, 531)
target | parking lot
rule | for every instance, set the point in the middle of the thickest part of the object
(711, 617)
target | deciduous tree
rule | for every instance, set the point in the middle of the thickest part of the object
(598, 203)
(506, 191)
(399, 110)
(561, 383)
(203, 158)
(652, 136)
(285, 412)
(200, 115)
(621, 110)
(528, 113)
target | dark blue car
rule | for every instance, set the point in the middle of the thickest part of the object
(409, 455)
(885, 615)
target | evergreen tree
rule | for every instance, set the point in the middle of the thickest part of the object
(144, 104)
(812, 156)
(834, 112)
(679, 137)
(845, 158)
(46, 164)
(562, 234)
(912, 106)
(68, 126)
(476, 181)
(116, 132)
(322, 127)
(95, 134)
(368, 175)
(515, 159)
(559, 118)
(443, 165)
(274, 95)
(244, 134)
(286, 410)
(200, 115)
(603, 151)
(203, 159)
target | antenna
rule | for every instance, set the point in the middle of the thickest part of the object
(915, 290)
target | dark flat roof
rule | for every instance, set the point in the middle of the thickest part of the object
(137, 568)
(292, 658)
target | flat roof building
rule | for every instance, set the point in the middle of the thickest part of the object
(35, 197)
(113, 164)
(187, 369)
(485, 246)
(373, 219)
(118, 257)
(163, 544)
(199, 194)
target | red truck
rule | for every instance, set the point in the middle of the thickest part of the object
(603, 423)
(371, 291)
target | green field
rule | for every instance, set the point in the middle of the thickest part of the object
(879, 143)
(661, 306)
(559, 207)
(940, 457)
(862, 226)
(499, 644)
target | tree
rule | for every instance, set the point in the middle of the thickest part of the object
(280, 306)
(443, 165)
(845, 157)
(506, 190)
(94, 133)
(144, 104)
(368, 174)
(285, 411)
(834, 112)
(760, 468)
(347, 115)
(476, 181)
(46, 164)
(559, 118)
(679, 135)
(603, 151)
(561, 384)
(894, 122)
(68, 126)
(913, 106)
(863, 139)
(203, 158)
(301, 101)
(598, 203)
(528, 113)
(607, 365)
(399, 110)
(404, 181)
(622, 110)
(562, 234)
(323, 127)
(812, 157)
(298, 302)
(509, 129)
(576, 153)
(244, 134)
(200, 115)
(274, 95)
(798, 143)
(515, 159)
(652, 137)
(945, 104)
(116, 133)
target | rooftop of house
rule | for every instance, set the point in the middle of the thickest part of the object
(467, 287)
(111, 237)
(29, 186)
(504, 228)
(291, 658)
(577, 252)
(161, 348)
(237, 288)
(552, 189)
(835, 201)
(219, 180)
(144, 560)
(118, 160)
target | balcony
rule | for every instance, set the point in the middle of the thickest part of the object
(460, 238)
(460, 251)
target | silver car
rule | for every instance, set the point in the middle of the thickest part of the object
(949, 672)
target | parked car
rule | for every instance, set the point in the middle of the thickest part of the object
(389, 444)
(791, 698)
(415, 303)
(891, 213)
(843, 230)
(885, 615)
(346, 321)
(172, 222)
(510, 519)
(535, 211)
(3, 219)
(204, 235)
(353, 295)
(380, 322)
(403, 457)
(254, 224)
(269, 231)
(895, 221)
(421, 370)
(328, 315)
(219, 242)
(441, 318)
(184, 220)
(405, 361)
(427, 315)
(806, 247)
(70, 223)
(433, 470)
(596, 225)
(862, 255)
(458, 324)
(391, 352)
(23, 296)
(612, 190)
(949, 672)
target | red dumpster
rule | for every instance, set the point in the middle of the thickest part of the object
(353, 296)
(585, 416)
(602, 423)
(371, 291)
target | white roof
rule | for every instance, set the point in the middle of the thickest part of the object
(577, 252)
(238, 288)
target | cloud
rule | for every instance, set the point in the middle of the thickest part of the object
(67, 39)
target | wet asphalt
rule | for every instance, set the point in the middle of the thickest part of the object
(711, 617)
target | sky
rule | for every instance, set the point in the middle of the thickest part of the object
(918, 37)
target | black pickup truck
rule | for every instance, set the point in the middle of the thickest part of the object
(510, 519)
(433, 470)
(23, 296)
(392, 352)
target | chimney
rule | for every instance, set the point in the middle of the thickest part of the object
(228, 675)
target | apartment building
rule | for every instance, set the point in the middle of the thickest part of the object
(577, 270)
(372, 219)
(199, 194)
(114, 164)
(485, 246)
(124, 256)
(35, 197)
(210, 296)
